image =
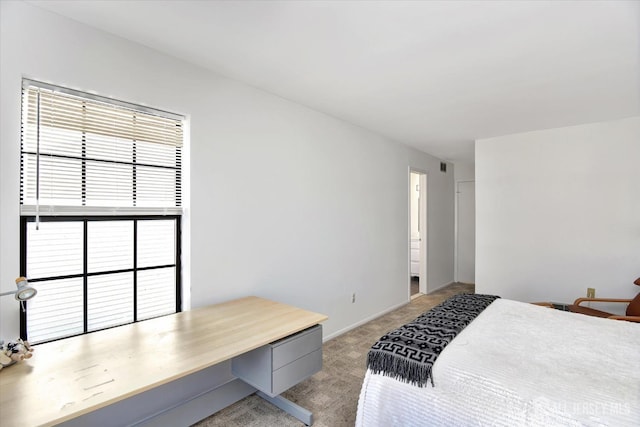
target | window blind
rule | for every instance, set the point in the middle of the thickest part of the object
(84, 154)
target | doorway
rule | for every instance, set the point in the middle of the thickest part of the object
(417, 233)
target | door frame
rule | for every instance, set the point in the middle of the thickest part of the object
(424, 230)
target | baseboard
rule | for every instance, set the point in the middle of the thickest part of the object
(375, 316)
(440, 287)
(363, 321)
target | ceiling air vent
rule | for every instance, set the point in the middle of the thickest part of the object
(443, 167)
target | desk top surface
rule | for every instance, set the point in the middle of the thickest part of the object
(74, 376)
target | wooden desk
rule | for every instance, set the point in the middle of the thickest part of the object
(68, 378)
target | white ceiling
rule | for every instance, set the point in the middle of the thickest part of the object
(433, 75)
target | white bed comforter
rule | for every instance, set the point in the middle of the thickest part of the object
(519, 364)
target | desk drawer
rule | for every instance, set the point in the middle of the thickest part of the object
(292, 348)
(275, 367)
(296, 371)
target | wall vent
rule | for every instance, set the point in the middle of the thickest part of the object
(443, 167)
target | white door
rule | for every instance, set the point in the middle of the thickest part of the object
(466, 232)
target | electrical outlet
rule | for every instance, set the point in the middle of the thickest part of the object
(591, 292)
(353, 298)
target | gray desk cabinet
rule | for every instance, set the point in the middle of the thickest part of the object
(278, 366)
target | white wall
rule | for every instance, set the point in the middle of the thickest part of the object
(465, 222)
(465, 171)
(286, 203)
(558, 211)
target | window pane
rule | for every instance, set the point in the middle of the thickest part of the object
(149, 153)
(156, 242)
(54, 250)
(109, 184)
(156, 292)
(109, 148)
(56, 311)
(60, 181)
(110, 300)
(156, 187)
(52, 141)
(110, 245)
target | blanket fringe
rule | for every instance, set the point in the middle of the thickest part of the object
(414, 373)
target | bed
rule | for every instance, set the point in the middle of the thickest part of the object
(518, 364)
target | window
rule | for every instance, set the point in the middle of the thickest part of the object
(100, 196)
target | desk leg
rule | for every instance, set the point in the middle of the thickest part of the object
(289, 407)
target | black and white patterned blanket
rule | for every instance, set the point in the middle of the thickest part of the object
(409, 352)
